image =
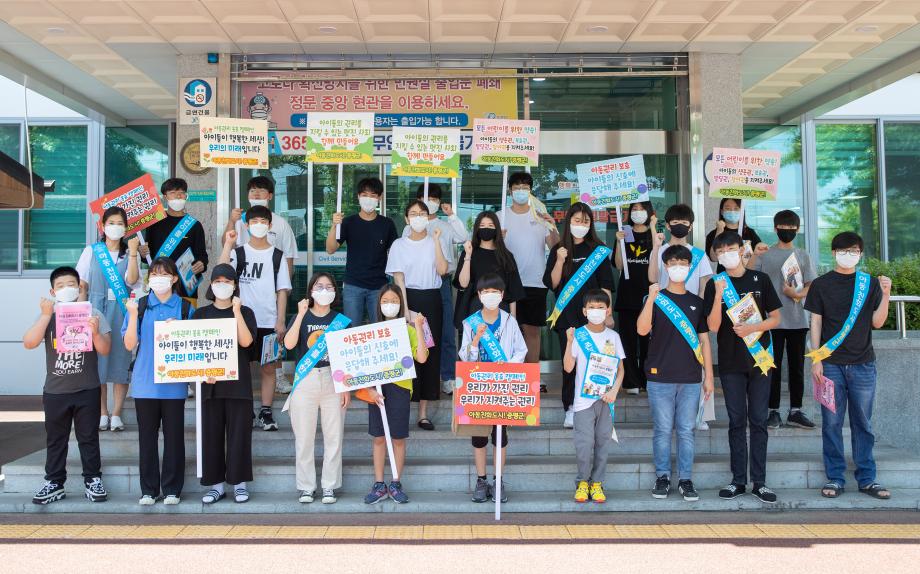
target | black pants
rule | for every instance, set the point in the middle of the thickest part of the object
(568, 379)
(746, 398)
(151, 415)
(794, 342)
(427, 384)
(226, 442)
(81, 411)
(635, 347)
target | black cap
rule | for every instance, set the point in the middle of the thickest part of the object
(226, 271)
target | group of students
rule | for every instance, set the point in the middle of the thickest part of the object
(666, 306)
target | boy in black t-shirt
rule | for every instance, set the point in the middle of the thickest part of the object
(674, 368)
(71, 394)
(846, 357)
(745, 380)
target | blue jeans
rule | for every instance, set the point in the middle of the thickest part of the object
(854, 388)
(673, 406)
(357, 300)
(448, 331)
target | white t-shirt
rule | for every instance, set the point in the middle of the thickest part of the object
(608, 343)
(280, 235)
(83, 266)
(703, 270)
(257, 286)
(452, 233)
(526, 240)
(416, 261)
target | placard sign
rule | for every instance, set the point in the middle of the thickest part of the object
(744, 173)
(506, 142)
(428, 152)
(71, 327)
(340, 138)
(612, 182)
(138, 198)
(497, 394)
(370, 355)
(231, 142)
(194, 350)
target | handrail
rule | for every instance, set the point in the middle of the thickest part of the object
(900, 312)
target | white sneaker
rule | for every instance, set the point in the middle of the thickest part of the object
(306, 497)
(282, 385)
(447, 387)
(569, 419)
(147, 500)
(104, 422)
(117, 424)
(634, 391)
(329, 496)
(171, 499)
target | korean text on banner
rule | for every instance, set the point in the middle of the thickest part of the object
(71, 327)
(370, 355)
(497, 394)
(506, 142)
(340, 138)
(744, 173)
(194, 350)
(612, 182)
(139, 199)
(428, 152)
(231, 142)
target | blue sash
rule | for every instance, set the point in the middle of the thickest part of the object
(584, 340)
(860, 294)
(318, 350)
(176, 236)
(696, 256)
(763, 358)
(488, 340)
(680, 321)
(600, 254)
(111, 274)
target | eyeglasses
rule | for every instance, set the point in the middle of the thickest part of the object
(853, 252)
(417, 214)
(318, 287)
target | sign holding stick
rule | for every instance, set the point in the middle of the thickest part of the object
(622, 243)
(394, 471)
(199, 466)
(498, 472)
(338, 200)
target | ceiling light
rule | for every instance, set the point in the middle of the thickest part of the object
(56, 30)
(539, 79)
(597, 29)
(328, 29)
(868, 29)
(530, 101)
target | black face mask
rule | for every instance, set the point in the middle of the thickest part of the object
(486, 233)
(786, 235)
(679, 230)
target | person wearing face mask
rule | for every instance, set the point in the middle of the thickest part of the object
(789, 337)
(369, 235)
(177, 234)
(491, 334)
(264, 286)
(744, 367)
(632, 291)
(679, 360)
(226, 416)
(314, 397)
(417, 265)
(580, 247)
(594, 353)
(679, 221)
(158, 405)
(845, 305)
(486, 253)
(396, 399)
(109, 272)
(453, 233)
(729, 220)
(70, 398)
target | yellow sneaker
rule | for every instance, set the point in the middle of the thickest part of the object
(597, 493)
(581, 493)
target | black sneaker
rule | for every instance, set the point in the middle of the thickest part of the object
(799, 419)
(764, 494)
(48, 493)
(685, 488)
(504, 491)
(95, 491)
(481, 494)
(662, 487)
(543, 388)
(774, 421)
(267, 420)
(732, 491)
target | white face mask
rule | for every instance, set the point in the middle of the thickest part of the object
(176, 204)
(730, 259)
(597, 316)
(638, 217)
(323, 297)
(418, 223)
(846, 260)
(114, 231)
(368, 204)
(160, 285)
(490, 301)
(389, 310)
(678, 273)
(579, 231)
(66, 294)
(258, 202)
(258, 230)
(223, 290)
(433, 206)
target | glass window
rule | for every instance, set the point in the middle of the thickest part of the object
(56, 234)
(902, 178)
(9, 218)
(132, 151)
(10, 140)
(847, 185)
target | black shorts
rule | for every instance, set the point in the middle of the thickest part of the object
(531, 310)
(483, 441)
(396, 403)
(255, 350)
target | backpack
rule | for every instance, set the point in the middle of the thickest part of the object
(277, 258)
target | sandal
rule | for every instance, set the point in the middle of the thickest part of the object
(831, 490)
(212, 496)
(876, 490)
(241, 495)
(425, 424)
